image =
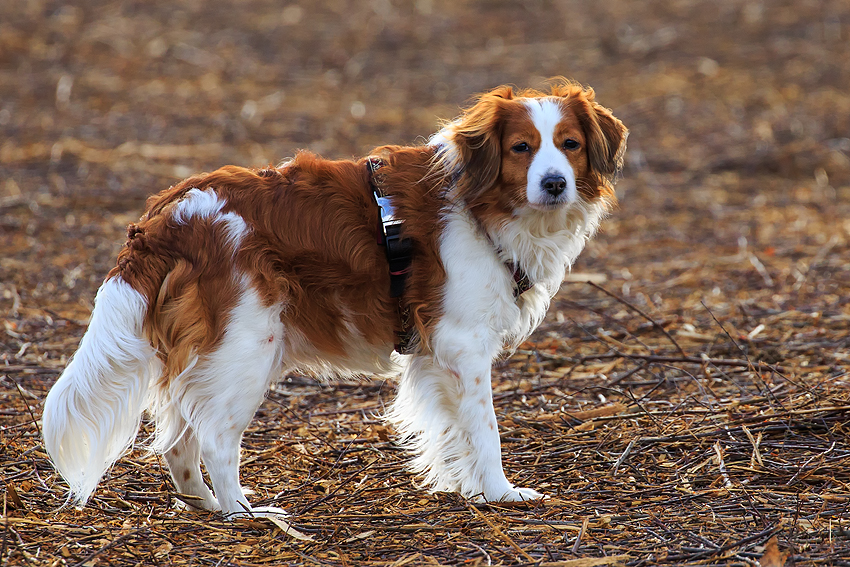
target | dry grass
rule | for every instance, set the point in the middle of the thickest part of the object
(685, 408)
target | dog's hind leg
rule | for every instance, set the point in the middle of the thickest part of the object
(184, 463)
(221, 393)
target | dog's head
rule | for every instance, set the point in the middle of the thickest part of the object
(539, 150)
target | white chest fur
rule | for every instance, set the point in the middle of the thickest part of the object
(479, 291)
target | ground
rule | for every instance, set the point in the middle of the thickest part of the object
(685, 401)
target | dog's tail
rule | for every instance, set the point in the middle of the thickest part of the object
(92, 413)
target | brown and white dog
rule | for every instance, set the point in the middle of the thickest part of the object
(235, 277)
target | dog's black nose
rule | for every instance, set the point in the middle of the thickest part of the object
(554, 184)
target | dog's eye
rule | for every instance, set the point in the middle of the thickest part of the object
(522, 147)
(570, 144)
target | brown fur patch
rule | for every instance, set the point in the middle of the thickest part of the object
(311, 247)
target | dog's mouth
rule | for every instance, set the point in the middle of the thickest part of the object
(550, 205)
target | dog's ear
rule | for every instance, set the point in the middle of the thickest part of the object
(606, 143)
(606, 138)
(477, 136)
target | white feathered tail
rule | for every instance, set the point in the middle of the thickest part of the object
(92, 413)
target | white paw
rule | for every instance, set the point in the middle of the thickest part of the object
(514, 494)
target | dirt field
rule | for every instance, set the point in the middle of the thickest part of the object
(685, 407)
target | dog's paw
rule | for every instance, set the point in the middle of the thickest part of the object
(502, 490)
(522, 495)
(511, 494)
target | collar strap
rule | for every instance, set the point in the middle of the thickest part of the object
(521, 279)
(522, 282)
(399, 251)
(376, 182)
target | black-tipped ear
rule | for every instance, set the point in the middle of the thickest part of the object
(606, 141)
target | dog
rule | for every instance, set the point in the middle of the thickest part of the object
(430, 261)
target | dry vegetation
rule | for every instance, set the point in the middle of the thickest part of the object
(684, 408)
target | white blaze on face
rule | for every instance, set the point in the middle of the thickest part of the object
(549, 161)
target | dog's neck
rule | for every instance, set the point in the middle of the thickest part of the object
(545, 244)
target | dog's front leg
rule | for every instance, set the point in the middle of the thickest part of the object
(444, 411)
(482, 475)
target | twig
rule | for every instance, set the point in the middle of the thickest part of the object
(755, 442)
(26, 404)
(28, 369)
(617, 379)
(804, 465)
(664, 358)
(644, 315)
(722, 328)
(6, 529)
(351, 477)
(718, 450)
(580, 535)
(624, 456)
(709, 552)
(501, 535)
(752, 367)
(482, 550)
(760, 269)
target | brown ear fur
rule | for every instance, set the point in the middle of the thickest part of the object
(478, 133)
(606, 137)
(478, 136)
